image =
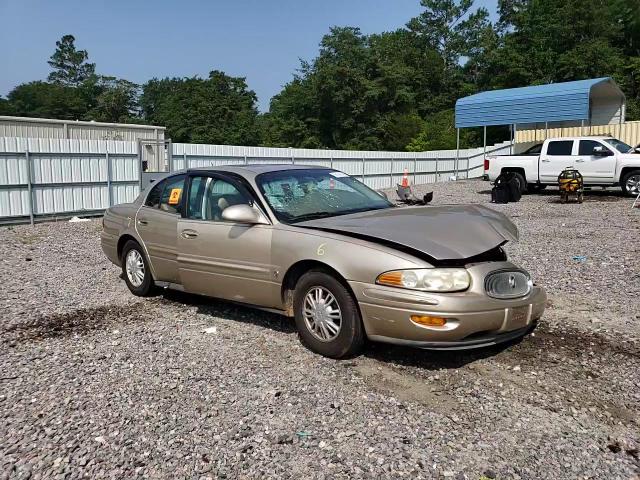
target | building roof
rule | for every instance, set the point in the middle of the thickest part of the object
(596, 100)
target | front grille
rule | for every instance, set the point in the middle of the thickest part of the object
(507, 284)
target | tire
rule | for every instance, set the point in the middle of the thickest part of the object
(632, 175)
(146, 286)
(521, 181)
(349, 338)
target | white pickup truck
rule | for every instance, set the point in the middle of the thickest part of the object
(602, 161)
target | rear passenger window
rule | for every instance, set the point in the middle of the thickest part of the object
(171, 199)
(562, 147)
(153, 199)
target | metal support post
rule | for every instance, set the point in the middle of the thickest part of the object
(109, 175)
(29, 185)
(457, 151)
(391, 174)
(362, 169)
(170, 155)
(415, 169)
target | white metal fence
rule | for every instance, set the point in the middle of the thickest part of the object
(49, 177)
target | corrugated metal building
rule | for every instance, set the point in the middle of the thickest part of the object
(151, 137)
(26, 127)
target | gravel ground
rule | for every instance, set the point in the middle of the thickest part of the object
(96, 383)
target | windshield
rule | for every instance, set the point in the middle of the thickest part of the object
(619, 145)
(299, 195)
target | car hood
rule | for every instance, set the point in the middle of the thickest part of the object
(444, 233)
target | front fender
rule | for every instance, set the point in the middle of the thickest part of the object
(354, 259)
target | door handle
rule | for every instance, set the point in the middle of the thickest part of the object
(579, 161)
(545, 160)
(142, 221)
(189, 234)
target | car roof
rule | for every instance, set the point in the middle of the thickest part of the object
(255, 169)
(583, 137)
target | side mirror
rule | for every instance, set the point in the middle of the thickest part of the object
(244, 213)
(601, 151)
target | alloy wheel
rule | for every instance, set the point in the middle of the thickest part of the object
(633, 184)
(321, 313)
(134, 267)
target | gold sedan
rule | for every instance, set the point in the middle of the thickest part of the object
(316, 244)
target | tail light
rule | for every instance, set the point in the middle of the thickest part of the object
(486, 164)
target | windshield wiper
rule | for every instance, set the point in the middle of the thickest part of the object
(313, 216)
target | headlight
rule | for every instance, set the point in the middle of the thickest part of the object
(427, 279)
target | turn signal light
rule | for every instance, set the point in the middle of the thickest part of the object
(391, 278)
(429, 321)
(486, 164)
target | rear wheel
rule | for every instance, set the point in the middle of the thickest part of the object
(326, 315)
(135, 269)
(521, 181)
(631, 183)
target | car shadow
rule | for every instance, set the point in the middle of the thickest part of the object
(382, 352)
(432, 359)
(219, 308)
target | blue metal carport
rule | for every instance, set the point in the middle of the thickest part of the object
(594, 102)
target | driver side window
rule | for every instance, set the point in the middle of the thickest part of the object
(587, 146)
(210, 196)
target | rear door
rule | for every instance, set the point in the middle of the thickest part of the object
(595, 168)
(557, 157)
(219, 258)
(157, 225)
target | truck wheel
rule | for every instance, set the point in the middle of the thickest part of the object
(521, 181)
(631, 183)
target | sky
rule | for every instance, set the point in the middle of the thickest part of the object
(261, 40)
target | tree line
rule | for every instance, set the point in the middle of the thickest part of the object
(389, 91)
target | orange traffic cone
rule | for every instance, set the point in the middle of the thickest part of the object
(405, 178)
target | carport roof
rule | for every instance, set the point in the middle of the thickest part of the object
(555, 102)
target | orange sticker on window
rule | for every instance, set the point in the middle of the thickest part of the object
(174, 198)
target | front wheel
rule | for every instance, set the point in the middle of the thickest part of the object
(327, 317)
(631, 183)
(135, 269)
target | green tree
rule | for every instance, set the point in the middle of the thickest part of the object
(219, 109)
(116, 101)
(361, 92)
(70, 66)
(5, 107)
(49, 100)
(451, 27)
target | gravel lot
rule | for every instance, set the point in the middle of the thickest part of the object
(96, 383)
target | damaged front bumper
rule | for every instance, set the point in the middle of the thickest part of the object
(473, 319)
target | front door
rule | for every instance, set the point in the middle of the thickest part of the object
(219, 258)
(557, 157)
(595, 168)
(157, 225)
